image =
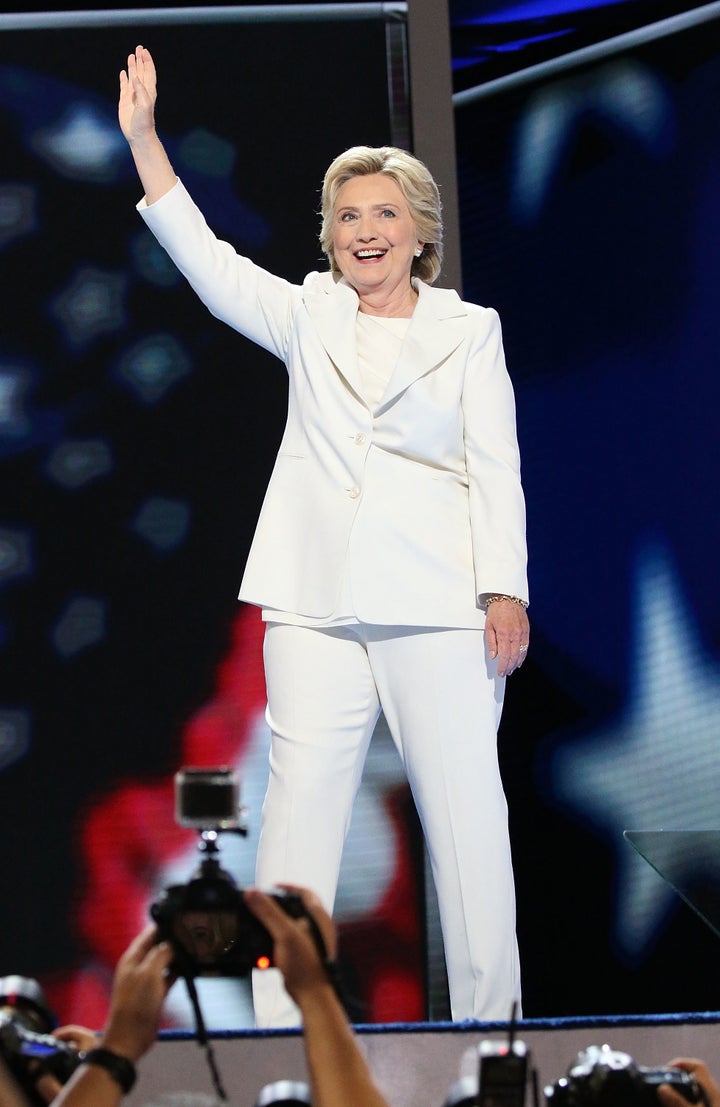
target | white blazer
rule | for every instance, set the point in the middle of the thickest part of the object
(422, 494)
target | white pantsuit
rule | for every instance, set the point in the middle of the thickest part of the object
(417, 505)
(449, 702)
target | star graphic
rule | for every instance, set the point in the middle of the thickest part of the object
(656, 766)
(84, 145)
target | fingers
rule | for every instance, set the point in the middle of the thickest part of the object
(146, 956)
(310, 900)
(281, 925)
(139, 80)
(264, 908)
(699, 1070)
(47, 1087)
(507, 635)
(78, 1036)
(149, 73)
(140, 945)
(314, 907)
(510, 653)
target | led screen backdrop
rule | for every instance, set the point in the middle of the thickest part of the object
(497, 38)
(136, 438)
(589, 212)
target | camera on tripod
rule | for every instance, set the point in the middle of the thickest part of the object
(206, 920)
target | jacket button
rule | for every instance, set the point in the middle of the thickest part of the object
(354, 493)
(359, 438)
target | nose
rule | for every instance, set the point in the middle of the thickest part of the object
(365, 231)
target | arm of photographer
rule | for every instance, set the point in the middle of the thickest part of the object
(139, 989)
(338, 1072)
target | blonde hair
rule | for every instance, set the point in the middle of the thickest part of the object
(417, 186)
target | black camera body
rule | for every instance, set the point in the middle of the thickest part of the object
(603, 1077)
(206, 921)
(26, 1045)
(210, 928)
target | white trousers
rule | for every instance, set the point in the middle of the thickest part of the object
(442, 700)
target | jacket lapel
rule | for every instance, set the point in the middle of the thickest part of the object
(435, 331)
(332, 306)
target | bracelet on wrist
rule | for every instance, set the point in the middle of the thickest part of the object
(120, 1068)
(513, 599)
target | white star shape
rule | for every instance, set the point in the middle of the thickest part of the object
(82, 146)
(657, 766)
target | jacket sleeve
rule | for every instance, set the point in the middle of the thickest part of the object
(497, 504)
(234, 289)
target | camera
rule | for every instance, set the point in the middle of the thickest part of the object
(26, 1045)
(604, 1077)
(205, 920)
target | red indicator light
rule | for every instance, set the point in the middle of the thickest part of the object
(263, 962)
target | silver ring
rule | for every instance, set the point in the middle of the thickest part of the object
(522, 649)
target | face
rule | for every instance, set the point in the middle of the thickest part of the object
(374, 235)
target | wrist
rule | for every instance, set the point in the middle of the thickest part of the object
(125, 1044)
(144, 140)
(312, 992)
(116, 1065)
(498, 597)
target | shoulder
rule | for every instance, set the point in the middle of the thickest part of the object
(325, 282)
(446, 303)
(482, 319)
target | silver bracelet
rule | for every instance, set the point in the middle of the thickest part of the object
(513, 599)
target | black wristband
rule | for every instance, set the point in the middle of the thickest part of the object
(120, 1068)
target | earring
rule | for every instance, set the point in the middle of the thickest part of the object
(418, 252)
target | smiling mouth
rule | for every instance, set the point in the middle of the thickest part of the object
(370, 255)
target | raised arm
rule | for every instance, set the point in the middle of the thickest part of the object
(136, 113)
(338, 1071)
(139, 989)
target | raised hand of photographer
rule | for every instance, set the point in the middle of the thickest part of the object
(140, 986)
(139, 989)
(295, 951)
(337, 1069)
(669, 1097)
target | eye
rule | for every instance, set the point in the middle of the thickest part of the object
(388, 212)
(347, 216)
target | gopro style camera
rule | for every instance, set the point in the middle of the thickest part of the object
(205, 920)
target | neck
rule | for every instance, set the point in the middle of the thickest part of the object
(399, 304)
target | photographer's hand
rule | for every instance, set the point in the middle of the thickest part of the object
(139, 989)
(337, 1069)
(141, 983)
(10, 1094)
(669, 1097)
(48, 1086)
(295, 952)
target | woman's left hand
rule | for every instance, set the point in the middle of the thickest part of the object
(507, 634)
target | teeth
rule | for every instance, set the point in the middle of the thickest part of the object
(370, 253)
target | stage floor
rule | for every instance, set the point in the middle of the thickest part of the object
(415, 1065)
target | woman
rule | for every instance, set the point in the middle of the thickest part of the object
(389, 558)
